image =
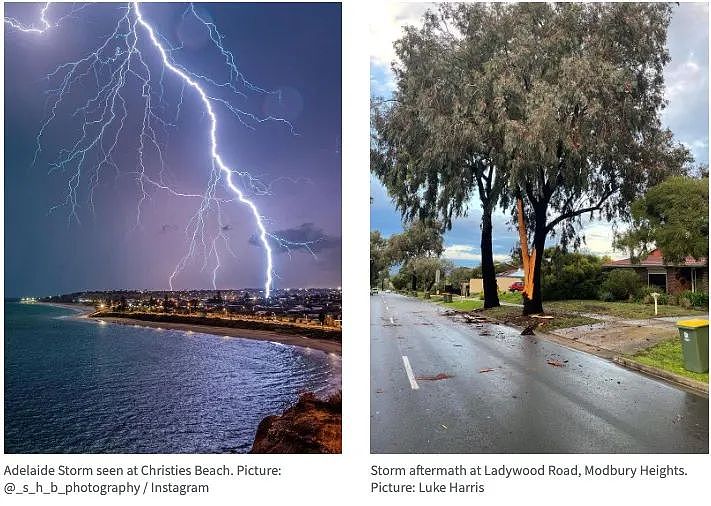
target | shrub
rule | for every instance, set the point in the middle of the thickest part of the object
(645, 295)
(622, 284)
(684, 302)
(566, 275)
(695, 299)
(606, 296)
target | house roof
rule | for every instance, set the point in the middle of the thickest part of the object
(655, 259)
(515, 273)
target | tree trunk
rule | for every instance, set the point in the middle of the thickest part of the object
(533, 304)
(488, 271)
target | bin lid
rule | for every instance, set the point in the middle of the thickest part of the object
(692, 324)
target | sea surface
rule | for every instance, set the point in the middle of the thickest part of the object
(76, 385)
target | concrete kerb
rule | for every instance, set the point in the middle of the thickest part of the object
(682, 381)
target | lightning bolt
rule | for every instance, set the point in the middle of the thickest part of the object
(110, 68)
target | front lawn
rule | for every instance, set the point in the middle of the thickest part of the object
(511, 297)
(668, 355)
(462, 304)
(619, 309)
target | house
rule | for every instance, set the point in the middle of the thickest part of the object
(692, 274)
(503, 280)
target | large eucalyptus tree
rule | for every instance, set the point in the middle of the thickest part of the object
(562, 100)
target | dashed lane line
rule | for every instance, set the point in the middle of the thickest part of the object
(410, 374)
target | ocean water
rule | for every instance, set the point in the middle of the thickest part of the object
(79, 386)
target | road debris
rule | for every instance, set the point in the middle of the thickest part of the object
(555, 363)
(487, 369)
(438, 377)
(475, 319)
(528, 331)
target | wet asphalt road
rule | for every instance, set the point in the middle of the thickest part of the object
(524, 405)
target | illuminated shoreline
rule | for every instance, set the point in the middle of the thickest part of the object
(323, 339)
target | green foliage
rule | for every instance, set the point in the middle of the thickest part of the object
(424, 271)
(696, 299)
(644, 295)
(379, 261)
(663, 298)
(499, 267)
(620, 284)
(458, 276)
(673, 216)
(401, 281)
(418, 239)
(421, 238)
(570, 275)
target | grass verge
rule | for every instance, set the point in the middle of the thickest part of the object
(619, 309)
(463, 304)
(668, 355)
(511, 297)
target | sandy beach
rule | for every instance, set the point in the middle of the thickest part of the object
(324, 345)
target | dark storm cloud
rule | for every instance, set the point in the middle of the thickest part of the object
(306, 237)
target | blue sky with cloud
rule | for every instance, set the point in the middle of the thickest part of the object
(686, 78)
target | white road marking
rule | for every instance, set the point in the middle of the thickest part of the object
(410, 374)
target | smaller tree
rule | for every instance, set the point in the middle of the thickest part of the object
(460, 275)
(499, 267)
(400, 280)
(672, 216)
(419, 239)
(570, 275)
(423, 271)
(379, 258)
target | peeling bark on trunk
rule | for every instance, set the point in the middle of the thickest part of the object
(532, 300)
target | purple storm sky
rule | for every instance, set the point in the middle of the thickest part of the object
(293, 49)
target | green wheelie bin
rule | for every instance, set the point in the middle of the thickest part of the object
(695, 344)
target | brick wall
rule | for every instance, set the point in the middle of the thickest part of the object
(702, 279)
(678, 280)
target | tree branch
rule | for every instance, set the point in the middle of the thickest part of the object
(578, 212)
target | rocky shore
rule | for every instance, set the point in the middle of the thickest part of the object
(312, 425)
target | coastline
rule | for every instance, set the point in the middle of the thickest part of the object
(324, 345)
(84, 311)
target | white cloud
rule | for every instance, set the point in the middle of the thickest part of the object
(598, 240)
(386, 27)
(461, 252)
(684, 78)
(468, 253)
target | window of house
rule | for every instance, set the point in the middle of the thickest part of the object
(658, 281)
